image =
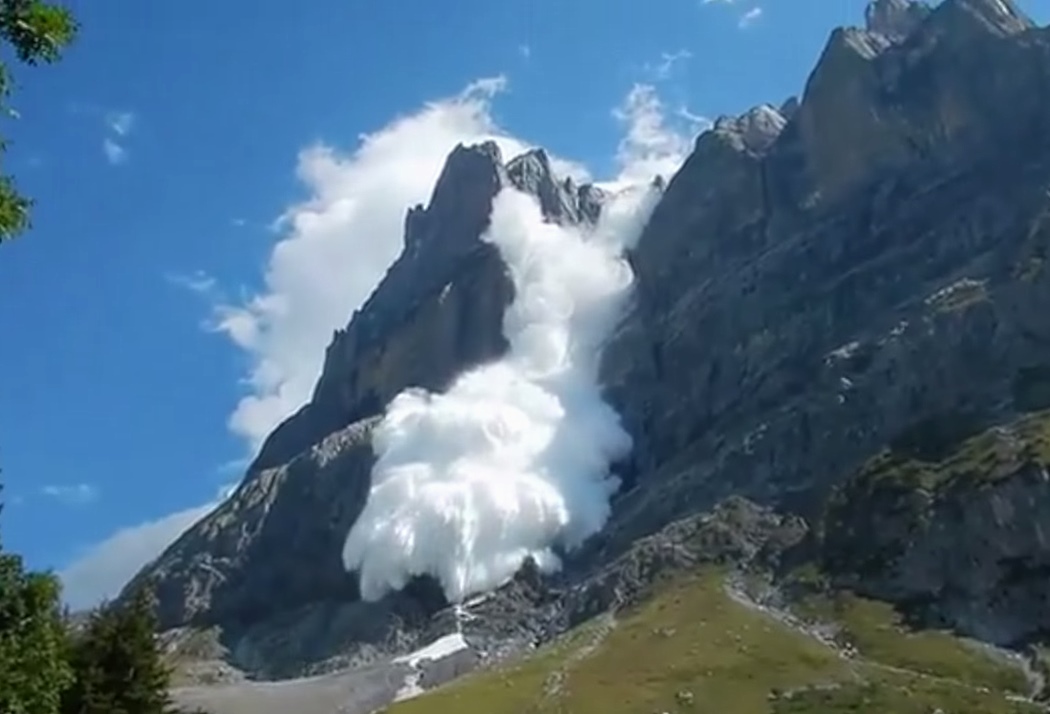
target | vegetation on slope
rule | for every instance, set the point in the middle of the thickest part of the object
(941, 452)
(698, 646)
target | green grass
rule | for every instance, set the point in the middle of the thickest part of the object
(693, 648)
(876, 631)
(991, 455)
(899, 694)
(726, 656)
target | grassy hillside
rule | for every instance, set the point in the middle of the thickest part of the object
(939, 453)
(697, 647)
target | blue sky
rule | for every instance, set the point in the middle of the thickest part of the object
(164, 147)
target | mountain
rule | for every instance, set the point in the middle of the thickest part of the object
(835, 362)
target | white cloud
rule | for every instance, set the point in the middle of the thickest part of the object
(120, 123)
(513, 458)
(697, 122)
(654, 143)
(197, 282)
(668, 60)
(337, 244)
(104, 568)
(115, 153)
(73, 495)
(750, 17)
(747, 19)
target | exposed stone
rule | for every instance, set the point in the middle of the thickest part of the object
(895, 19)
(959, 537)
(817, 282)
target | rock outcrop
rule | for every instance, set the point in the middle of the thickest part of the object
(818, 281)
(274, 547)
(872, 262)
(953, 529)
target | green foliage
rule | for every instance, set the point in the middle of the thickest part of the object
(118, 666)
(33, 668)
(36, 32)
(113, 665)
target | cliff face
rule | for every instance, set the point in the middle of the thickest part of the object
(956, 532)
(274, 547)
(819, 280)
(809, 288)
(444, 296)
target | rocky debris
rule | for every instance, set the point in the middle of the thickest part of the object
(736, 533)
(361, 691)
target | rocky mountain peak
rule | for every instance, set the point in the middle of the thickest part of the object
(755, 130)
(531, 172)
(471, 177)
(894, 19)
(1001, 16)
(960, 21)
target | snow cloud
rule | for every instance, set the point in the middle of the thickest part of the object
(513, 459)
(654, 142)
(333, 249)
(337, 244)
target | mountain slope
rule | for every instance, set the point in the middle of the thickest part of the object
(701, 643)
(859, 270)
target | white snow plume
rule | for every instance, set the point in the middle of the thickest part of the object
(336, 245)
(512, 461)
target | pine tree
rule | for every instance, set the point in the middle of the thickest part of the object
(33, 642)
(118, 667)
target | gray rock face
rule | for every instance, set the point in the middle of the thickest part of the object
(266, 565)
(971, 555)
(894, 19)
(800, 305)
(444, 269)
(816, 281)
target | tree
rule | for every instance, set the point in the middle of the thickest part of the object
(33, 643)
(118, 666)
(36, 32)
